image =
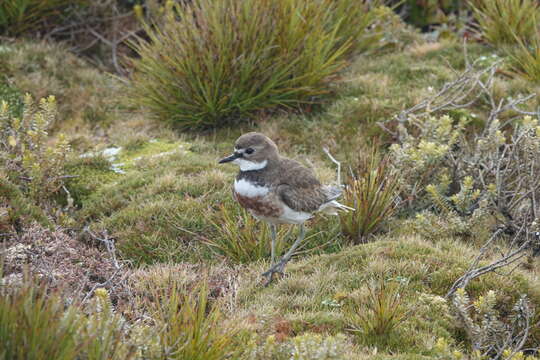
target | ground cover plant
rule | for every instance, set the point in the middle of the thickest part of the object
(233, 58)
(121, 240)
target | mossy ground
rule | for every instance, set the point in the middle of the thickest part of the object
(157, 195)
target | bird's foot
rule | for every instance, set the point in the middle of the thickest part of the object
(275, 269)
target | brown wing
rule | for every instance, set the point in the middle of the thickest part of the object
(299, 188)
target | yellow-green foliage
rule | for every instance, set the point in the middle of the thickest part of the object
(421, 158)
(502, 21)
(192, 329)
(380, 312)
(488, 333)
(247, 56)
(26, 156)
(440, 149)
(372, 194)
(242, 238)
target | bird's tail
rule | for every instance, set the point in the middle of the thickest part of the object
(332, 207)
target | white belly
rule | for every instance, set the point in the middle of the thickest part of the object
(287, 216)
(248, 189)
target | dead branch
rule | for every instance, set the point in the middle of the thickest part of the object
(469, 86)
(109, 245)
(506, 259)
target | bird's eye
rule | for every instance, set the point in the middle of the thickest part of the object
(249, 151)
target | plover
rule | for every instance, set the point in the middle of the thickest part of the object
(278, 190)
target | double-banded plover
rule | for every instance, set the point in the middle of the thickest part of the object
(278, 190)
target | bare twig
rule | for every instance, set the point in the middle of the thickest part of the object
(509, 258)
(469, 86)
(109, 245)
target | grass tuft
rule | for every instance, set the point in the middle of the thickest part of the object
(525, 57)
(192, 328)
(242, 238)
(381, 311)
(500, 21)
(372, 193)
(227, 59)
(35, 327)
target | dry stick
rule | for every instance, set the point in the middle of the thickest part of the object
(462, 92)
(100, 285)
(505, 260)
(109, 245)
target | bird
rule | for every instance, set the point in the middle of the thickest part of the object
(278, 190)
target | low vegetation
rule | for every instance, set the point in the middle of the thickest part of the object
(122, 240)
(372, 192)
(502, 21)
(247, 57)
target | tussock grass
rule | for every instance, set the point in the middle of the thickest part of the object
(381, 311)
(18, 16)
(192, 327)
(241, 238)
(525, 57)
(34, 327)
(228, 59)
(501, 21)
(372, 192)
(322, 290)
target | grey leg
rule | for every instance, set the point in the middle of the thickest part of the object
(273, 235)
(278, 268)
(298, 241)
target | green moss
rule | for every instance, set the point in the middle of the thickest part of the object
(21, 209)
(87, 175)
(426, 272)
(85, 94)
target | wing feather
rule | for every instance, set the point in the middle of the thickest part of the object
(299, 189)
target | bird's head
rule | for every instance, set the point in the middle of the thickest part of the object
(252, 151)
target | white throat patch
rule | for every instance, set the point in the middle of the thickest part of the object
(248, 189)
(246, 165)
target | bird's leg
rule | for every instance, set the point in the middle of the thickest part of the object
(273, 235)
(278, 268)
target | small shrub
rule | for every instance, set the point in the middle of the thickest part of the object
(372, 193)
(242, 238)
(191, 329)
(446, 169)
(489, 333)
(104, 332)
(25, 154)
(501, 21)
(226, 59)
(380, 313)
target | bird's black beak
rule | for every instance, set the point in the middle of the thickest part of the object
(233, 157)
